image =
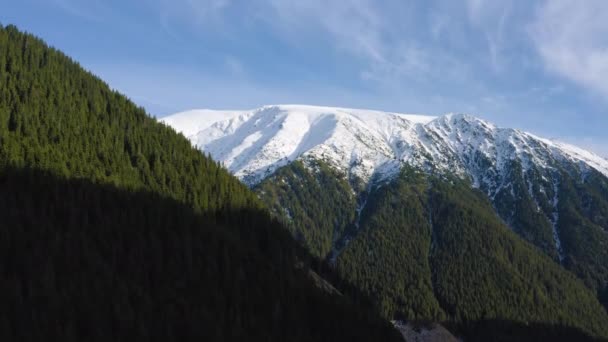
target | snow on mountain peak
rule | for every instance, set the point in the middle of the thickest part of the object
(364, 143)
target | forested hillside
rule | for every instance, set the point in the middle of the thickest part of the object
(458, 249)
(115, 228)
(432, 248)
(55, 116)
(553, 195)
(583, 212)
(318, 209)
(573, 207)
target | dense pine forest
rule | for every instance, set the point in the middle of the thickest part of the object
(55, 116)
(584, 215)
(115, 228)
(582, 209)
(432, 248)
(320, 207)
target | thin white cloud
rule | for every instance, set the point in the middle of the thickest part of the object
(203, 9)
(91, 11)
(492, 18)
(463, 52)
(572, 39)
(200, 13)
(383, 37)
(354, 25)
(439, 24)
(475, 8)
(234, 66)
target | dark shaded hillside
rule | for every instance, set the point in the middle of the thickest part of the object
(83, 261)
(114, 228)
(507, 331)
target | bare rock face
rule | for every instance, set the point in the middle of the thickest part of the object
(428, 332)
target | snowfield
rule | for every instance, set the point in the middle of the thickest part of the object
(367, 144)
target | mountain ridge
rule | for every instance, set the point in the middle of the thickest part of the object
(263, 139)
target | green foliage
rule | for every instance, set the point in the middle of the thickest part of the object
(430, 246)
(389, 259)
(316, 206)
(55, 116)
(114, 228)
(434, 248)
(582, 217)
(583, 224)
(515, 204)
(484, 271)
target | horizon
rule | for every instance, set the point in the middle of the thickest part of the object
(541, 68)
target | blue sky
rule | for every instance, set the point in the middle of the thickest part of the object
(541, 66)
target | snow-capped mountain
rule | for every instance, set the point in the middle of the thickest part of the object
(351, 164)
(253, 144)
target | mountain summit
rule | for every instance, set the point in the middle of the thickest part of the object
(370, 144)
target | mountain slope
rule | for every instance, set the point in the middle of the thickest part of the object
(86, 261)
(524, 176)
(318, 209)
(551, 194)
(115, 228)
(426, 247)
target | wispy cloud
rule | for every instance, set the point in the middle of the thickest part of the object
(91, 11)
(385, 38)
(235, 66)
(353, 25)
(202, 14)
(492, 19)
(380, 39)
(493, 58)
(572, 39)
(205, 9)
